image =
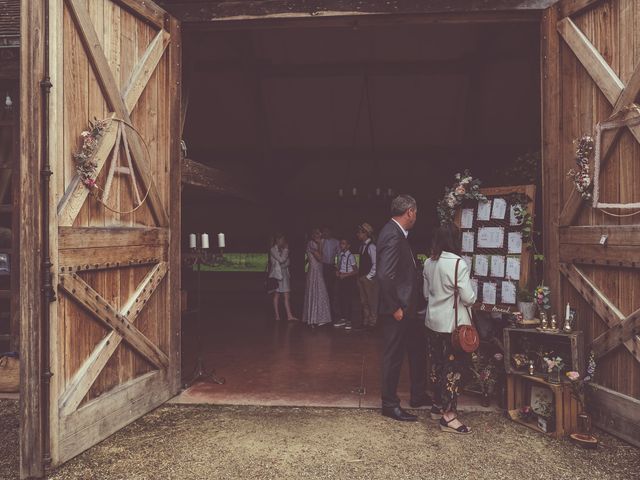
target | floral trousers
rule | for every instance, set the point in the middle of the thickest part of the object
(449, 369)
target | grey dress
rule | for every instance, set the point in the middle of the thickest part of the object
(316, 300)
(280, 268)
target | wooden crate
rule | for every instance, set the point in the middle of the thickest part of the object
(566, 406)
(573, 343)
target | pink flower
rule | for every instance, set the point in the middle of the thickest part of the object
(573, 376)
(90, 182)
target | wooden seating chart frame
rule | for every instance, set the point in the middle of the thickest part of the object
(508, 193)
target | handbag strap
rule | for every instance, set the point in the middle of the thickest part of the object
(456, 293)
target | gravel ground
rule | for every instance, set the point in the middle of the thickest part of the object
(213, 442)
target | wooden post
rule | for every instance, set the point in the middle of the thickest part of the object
(552, 177)
(32, 25)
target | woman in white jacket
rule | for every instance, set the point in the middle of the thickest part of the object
(439, 285)
(279, 269)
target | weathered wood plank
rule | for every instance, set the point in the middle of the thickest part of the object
(84, 378)
(100, 237)
(551, 143)
(590, 235)
(195, 174)
(625, 331)
(144, 69)
(575, 7)
(146, 9)
(30, 238)
(77, 259)
(593, 62)
(615, 413)
(603, 306)
(114, 99)
(80, 291)
(595, 254)
(212, 11)
(110, 412)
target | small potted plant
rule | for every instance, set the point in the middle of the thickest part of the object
(542, 296)
(526, 305)
(545, 418)
(578, 386)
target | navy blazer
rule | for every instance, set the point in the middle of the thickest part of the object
(396, 272)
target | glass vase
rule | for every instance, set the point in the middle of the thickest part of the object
(584, 423)
(554, 376)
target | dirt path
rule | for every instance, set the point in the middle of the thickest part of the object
(209, 442)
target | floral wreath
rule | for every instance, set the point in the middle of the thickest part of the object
(465, 188)
(86, 165)
(581, 175)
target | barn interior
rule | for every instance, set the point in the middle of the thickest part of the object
(296, 128)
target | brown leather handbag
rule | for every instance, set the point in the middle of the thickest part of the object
(464, 338)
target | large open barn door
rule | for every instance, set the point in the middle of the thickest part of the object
(591, 73)
(114, 230)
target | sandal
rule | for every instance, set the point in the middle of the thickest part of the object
(461, 430)
(436, 413)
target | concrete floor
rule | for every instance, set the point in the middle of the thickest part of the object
(270, 363)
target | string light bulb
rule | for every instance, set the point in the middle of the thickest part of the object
(8, 103)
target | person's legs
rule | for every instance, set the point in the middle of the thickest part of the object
(450, 380)
(371, 299)
(417, 352)
(276, 305)
(329, 275)
(392, 355)
(287, 306)
(364, 300)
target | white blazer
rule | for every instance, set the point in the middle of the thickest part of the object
(439, 284)
(279, 262)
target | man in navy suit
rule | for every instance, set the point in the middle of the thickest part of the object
(397, 275)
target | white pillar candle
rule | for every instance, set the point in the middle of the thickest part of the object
(221, 242)
(567, 313)
(192, 240)
(205, 240)
(355, 191)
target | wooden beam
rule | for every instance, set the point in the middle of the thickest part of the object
(29, 236)
(102, 310)
(100, 237)
(603, 307)
(104, 75)
(212, 11)
(88, 372)
(147, 10)
(627, 330)
(144, 69)
(591, 59)
(575, 7)
(216, 181)
(615, 413)
(88, 259)
(610, 256)
(626, 235)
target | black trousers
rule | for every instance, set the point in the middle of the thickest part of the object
(404, 337)
(345, 292)
(329, 274)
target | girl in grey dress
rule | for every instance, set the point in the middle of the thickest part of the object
(316, 299)
(279, 269)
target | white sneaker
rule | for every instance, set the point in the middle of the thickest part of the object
(340, 323)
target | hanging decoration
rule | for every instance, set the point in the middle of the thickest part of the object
(87, 166)
(581, 175)
(465, 188)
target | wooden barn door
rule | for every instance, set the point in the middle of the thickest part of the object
(114, 336)
(591, 72)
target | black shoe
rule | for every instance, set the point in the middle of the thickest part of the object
(399, 414)
(422, 402)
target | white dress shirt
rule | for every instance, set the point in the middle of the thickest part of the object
(330, 250)
(372, 253)
(346, 262)
(439, 285)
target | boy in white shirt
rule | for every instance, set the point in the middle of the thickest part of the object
(346, 272)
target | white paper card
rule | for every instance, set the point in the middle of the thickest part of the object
(497, 266)
(474, 285)
(490, 237)
(489, 293)
(467, 218)
(513, 220)
(515, 242)
(484, 210)
(509, 293)
(468, 260)
(467, 241)
(499, 208)
(481, 263)
(513, 268)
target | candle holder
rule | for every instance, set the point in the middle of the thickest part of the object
(196, 259)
